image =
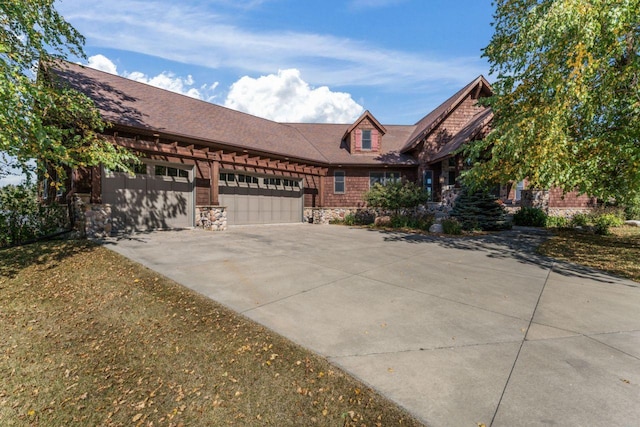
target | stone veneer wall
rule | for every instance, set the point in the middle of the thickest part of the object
(535, 199)
(212, 218)
(568, 212)
(91, 220)
(327, 215)
(95, 220)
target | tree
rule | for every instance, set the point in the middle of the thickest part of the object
(395, 196)
(567, 97)
(479, 210)
(41, 120)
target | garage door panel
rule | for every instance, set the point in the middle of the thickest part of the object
(259, 200)
(144, 202)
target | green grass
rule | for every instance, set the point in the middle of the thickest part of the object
(90, 338)
(617, 253)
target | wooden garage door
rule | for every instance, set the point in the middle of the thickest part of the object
(260, 199)
(159, 196)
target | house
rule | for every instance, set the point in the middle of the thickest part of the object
(207, 165)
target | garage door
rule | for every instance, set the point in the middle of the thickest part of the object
(253, 199)
(158, 196)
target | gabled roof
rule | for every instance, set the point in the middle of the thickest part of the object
(137, 105)
(471, 130)
(365, 115)
(429, 122)
(326, 139)
(131, 105)
(134, 105)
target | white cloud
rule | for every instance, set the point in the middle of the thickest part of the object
(285, 97)
(165, 80)
(102, 63)
(169, 81)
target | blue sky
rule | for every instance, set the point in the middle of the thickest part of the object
(397, 58)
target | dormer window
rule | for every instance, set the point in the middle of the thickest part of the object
(365, 135)
(366, 139)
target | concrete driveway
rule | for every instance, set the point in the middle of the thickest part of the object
(457, 331)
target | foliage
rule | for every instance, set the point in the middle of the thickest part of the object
(364, 217)
(350, 219)
(479, 210)
(89, 338)
(360, 217)
(603, 222)
(580, 220)
(23, 218)
(530, 217)
(39, 119)
(566, 104)
(451, 226)
(396, 195)
(617, 253)
(557, 222)
(416, 221)
(632, 209)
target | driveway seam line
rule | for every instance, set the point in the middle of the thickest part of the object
(524, 339)
(294, 295)
(445, 298)
(612, 347)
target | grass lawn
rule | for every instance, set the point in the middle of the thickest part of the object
(90, 338)
(618, 253)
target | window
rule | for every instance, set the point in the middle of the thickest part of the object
(383, 178)
(338, 182)
(366, 139)
(427, 183)
(519, 188)
(172, 172)
(136, 168)
(452, 177)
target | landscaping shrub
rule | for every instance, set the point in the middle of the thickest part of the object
(23, 218)
(479, 211)
(349, 219)
(419, 221)
(396, 196)
(530, 217)
(364, 217)
(580, 220)
(632, 209)
(557, 222)
(451, 226)
(603, 222)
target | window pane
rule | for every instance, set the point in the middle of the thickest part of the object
(183, 173)
(452, 177)
(392, 177)
(172, 171)
(139, 168)
(338, 182)
(241, 178)
(376, 178)
(161, 170)
(366, 139)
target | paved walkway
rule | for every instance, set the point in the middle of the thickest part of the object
(457, 331)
